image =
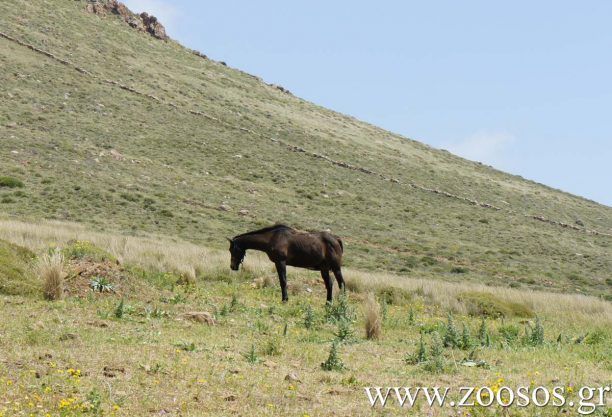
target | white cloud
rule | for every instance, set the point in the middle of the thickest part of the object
(164, 10)
(484, 146)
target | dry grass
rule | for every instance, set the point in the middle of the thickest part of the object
(51, 271)
(159, 253)
(373, 318)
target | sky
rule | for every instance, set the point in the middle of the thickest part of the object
(523, 86)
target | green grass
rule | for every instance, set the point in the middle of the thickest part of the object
(91, 152)
(16, 270)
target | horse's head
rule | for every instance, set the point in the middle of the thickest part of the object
(237, 253)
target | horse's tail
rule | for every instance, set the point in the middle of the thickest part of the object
(341, 244)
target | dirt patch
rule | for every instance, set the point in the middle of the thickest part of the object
(86, 276)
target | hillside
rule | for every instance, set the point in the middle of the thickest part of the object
(108, 126)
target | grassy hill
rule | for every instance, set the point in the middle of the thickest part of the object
(116, 129)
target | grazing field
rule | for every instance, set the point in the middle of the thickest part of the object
(170, 330)
(125, 161)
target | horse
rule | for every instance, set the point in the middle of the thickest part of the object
(319, 251)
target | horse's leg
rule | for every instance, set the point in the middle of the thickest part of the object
(281, 269)
(329, 284)
(338, 275)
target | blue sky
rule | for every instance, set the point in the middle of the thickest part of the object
(523, 86)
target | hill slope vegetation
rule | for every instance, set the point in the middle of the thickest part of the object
(106, 125)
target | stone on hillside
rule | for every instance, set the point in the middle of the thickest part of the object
(225, 207)
(201, 317)
(243, 212)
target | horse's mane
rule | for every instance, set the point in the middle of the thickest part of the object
(265, 230)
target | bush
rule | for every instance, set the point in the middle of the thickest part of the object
(420, 356)
(373, 319)
(333, 362)
(309, 317)
(487, 305)
(451, 337)
(345, 331)
(509, 333)
(340, 309)
(536, 338)
(51, 270)
(459, 270)
(82, 249)
(10, 182)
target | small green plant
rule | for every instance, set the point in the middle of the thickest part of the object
(451, 337)
(339, 309)
(120, 309)
(345, 330)
(186, 346)
(333, 362)
(272, 347)
(466, 338)
(234, 303)
(483, 333)
(436, 363)
(420, 356)
(536, 338)
(251, 355)
(10, 182)
(101, 284)
(384, 309)
(411, 317)
(94, 398)
(309, 317)
(509, 333)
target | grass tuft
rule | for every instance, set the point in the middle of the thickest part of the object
(373, 317)
(51, 271)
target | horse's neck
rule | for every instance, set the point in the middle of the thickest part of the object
(256, 242)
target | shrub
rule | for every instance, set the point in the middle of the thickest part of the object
(373, 320)
(420, 356)
(483, 334)
(51, 270)
(451, 337)
(120, 310)
(10, 182)
(487, 305)
(251, 355)
(309, 317)
(82, 249)
(509, 333)
(459, 270)
(340, 309)
(345, 331)
(436, 362)
(536, 338)
(411, 317)
(272, 347)
(333, 362)
(466, 338)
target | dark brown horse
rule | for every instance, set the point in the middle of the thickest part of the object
(320, 251)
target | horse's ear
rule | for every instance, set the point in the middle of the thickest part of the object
(230, 239)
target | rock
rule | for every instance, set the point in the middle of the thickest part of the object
(153, 26)
(231, 397)
(67, 336)
(225, 207)
(117, 155)
(111, 372)
(579, 222)
(143, 22)
(201, 317)
(243, 212)
(292, 377)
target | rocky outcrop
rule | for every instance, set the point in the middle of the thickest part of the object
(142, 22)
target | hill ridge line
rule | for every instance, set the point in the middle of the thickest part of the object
(295, 148)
